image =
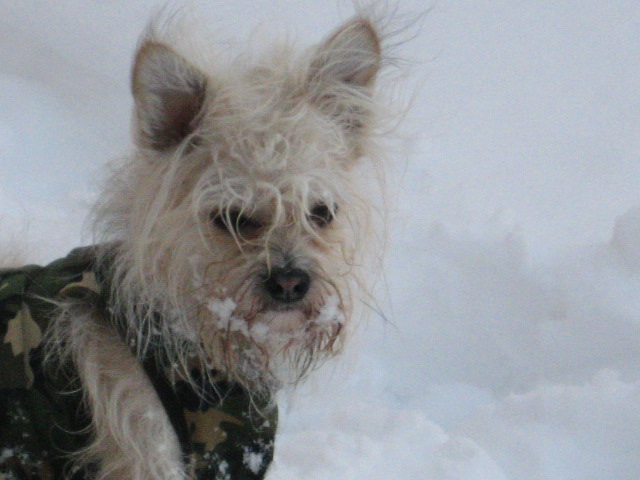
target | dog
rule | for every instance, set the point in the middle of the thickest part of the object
(234, 245)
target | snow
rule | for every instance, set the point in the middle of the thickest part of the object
(330, 314)
(510, 344)
(222, 309)
(253, 461)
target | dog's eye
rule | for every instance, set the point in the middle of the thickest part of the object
(235, 222)
(322, 215)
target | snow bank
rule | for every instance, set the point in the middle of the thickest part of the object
(586, 431)
(499, 322)
(361, 441)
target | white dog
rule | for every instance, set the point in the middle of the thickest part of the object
(231, 253)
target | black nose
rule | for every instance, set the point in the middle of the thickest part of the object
(287, 285)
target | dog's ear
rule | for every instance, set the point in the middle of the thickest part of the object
(169, 95)
(351, 55)
(343, 71)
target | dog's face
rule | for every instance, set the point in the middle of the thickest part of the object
(238, 216)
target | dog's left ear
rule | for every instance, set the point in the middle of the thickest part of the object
(169, 95)
(343, 71)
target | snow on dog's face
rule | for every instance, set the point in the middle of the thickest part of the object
(237, 221)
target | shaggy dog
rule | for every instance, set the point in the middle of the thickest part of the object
(232, 246)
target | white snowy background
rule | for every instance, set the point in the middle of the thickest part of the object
(511, 345)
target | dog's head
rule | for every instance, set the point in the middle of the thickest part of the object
(238, 219)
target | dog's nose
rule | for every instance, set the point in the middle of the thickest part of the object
(287, 285)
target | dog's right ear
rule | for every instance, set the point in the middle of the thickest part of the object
(169, 94)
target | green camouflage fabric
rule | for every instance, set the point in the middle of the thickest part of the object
(42, 417)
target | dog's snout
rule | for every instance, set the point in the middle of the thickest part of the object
(287, 285)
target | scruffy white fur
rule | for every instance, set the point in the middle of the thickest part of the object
(240, 171)
(132, 436)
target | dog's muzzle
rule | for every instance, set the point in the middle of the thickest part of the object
(287, 285)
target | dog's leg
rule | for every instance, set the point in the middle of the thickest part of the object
(133, 438)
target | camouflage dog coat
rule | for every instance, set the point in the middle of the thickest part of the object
(43, 419)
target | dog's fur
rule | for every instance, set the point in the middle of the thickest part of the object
(238, 221)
